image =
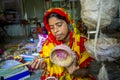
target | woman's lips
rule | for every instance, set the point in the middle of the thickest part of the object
(58, 36)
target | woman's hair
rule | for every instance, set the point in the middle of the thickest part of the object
(38, 23)
(57, 16)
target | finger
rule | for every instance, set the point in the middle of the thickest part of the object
(31, 62)
(43, 65)
(35, 58)
(34, 63)
(38, 63)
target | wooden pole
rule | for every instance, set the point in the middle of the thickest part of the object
(22, 8)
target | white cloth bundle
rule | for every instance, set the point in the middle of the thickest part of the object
(106, 48)
(90, 11)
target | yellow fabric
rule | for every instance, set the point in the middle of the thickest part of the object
(53, 68)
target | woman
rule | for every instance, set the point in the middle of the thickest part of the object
(61, 30)
(38, 28)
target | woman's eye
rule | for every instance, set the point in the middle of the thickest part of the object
(59, 24)
(51, 27)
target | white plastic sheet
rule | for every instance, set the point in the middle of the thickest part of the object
(90, 11)
(107, 49)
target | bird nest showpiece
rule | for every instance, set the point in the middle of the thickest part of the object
(62, 55)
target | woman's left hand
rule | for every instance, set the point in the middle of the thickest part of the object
(75, 70)
(72, 67)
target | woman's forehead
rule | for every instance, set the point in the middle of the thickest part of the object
(54, 20)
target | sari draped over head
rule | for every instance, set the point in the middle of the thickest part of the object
(76, 44)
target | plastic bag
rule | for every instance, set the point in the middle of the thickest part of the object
(42, 38)
(107, 49)
(90, 10)
(103, 75)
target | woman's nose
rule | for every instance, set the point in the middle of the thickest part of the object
(56, 29)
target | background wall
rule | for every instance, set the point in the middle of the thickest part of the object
(26, 9)
(29, 9)
(34, 8)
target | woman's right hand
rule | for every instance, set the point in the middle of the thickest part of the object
(37, 63)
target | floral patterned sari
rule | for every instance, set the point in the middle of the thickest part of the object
(76, 44)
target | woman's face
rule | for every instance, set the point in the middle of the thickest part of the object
(58, 28)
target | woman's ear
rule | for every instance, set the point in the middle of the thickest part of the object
(70, 27)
